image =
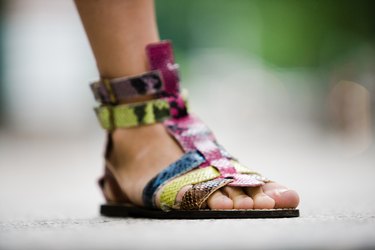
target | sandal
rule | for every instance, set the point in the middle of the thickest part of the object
(206, 165)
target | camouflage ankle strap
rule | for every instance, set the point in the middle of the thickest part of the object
(141, 113)
(117, 90)
(162, 80)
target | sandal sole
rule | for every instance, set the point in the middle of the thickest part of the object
(125, 210)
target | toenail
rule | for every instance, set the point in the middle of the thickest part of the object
(279, 192)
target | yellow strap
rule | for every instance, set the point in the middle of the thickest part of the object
(242, 169)
(171, 189)
(126, 115)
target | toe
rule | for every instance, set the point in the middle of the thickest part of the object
(181, 193)
(261, 200)
(219, 201)
(239, 198)
(284, 197)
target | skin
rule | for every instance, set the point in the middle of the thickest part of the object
(118, 31)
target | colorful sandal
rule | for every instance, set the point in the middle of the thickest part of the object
(206, 165)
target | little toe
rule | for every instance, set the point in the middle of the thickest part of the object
(284, 197)
(218, 200)
(239, 198)
(261, 200)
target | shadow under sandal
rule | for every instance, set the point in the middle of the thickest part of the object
(206, 165)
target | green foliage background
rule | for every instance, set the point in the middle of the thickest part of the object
(285, 33)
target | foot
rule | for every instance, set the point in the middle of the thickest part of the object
(142, 152)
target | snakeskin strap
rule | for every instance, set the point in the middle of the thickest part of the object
(170, 190)
(124, 88)
(160, 57)
(162, 80)
(142, 113)
(131, 115)
(195, 198)
(187, 162)
(192, 134)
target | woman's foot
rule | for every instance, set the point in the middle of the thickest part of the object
(140, 153)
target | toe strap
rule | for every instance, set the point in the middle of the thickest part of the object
(195, 198)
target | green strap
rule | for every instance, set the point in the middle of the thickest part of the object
(134, 114)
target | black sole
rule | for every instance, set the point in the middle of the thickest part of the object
(125, 210)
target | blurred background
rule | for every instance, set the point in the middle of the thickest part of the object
(287, 85)
(315, 59)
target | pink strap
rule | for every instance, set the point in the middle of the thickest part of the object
(187, 130)
(160, 56)
(193, 134)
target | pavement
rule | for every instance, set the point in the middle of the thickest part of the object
(49, 198)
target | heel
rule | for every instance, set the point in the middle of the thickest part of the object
(111, 189)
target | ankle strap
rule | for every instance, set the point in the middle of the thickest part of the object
(141, 113)
(122, 89)
(163, 80)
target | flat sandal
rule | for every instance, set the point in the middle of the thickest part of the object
(205, 165)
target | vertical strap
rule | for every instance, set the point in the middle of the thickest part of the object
(192, 134)
(213, 155)
(187, 130)
(178, 106)
(160, 56)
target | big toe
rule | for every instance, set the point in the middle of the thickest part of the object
(283, 197)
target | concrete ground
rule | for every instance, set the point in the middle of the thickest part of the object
(49, 199)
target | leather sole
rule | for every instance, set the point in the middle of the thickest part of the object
(128, 210)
